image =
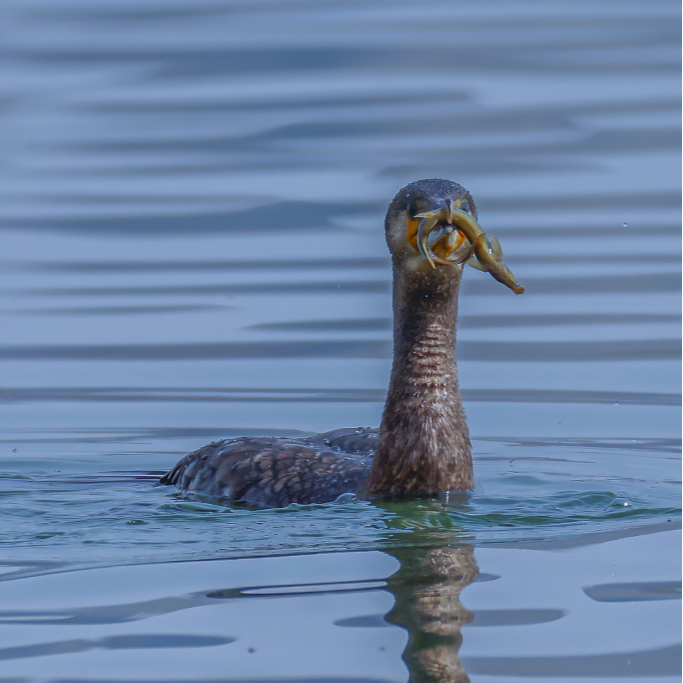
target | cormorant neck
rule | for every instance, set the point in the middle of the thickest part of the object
(424, 445)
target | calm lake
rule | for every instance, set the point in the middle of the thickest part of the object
(191, 247)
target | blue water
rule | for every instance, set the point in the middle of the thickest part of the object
(191, 247)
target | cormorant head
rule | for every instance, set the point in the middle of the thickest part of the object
(420, 227)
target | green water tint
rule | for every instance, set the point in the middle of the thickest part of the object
(123, 517)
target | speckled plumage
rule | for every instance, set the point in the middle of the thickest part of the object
(276, 472)
(422, 446)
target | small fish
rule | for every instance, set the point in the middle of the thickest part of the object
(448, 236)
(477, 251)
(489, 257)
(488, 254)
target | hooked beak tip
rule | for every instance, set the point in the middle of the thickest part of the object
(448, 205)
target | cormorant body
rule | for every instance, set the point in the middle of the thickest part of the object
(422, 446)
(275, 472)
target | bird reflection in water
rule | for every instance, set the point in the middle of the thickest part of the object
(427, 588)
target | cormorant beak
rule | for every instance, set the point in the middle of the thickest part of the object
(438, 239)
(448, 208)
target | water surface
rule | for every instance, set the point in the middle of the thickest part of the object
(191, 248)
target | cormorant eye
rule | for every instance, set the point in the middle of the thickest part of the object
(412, 210)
